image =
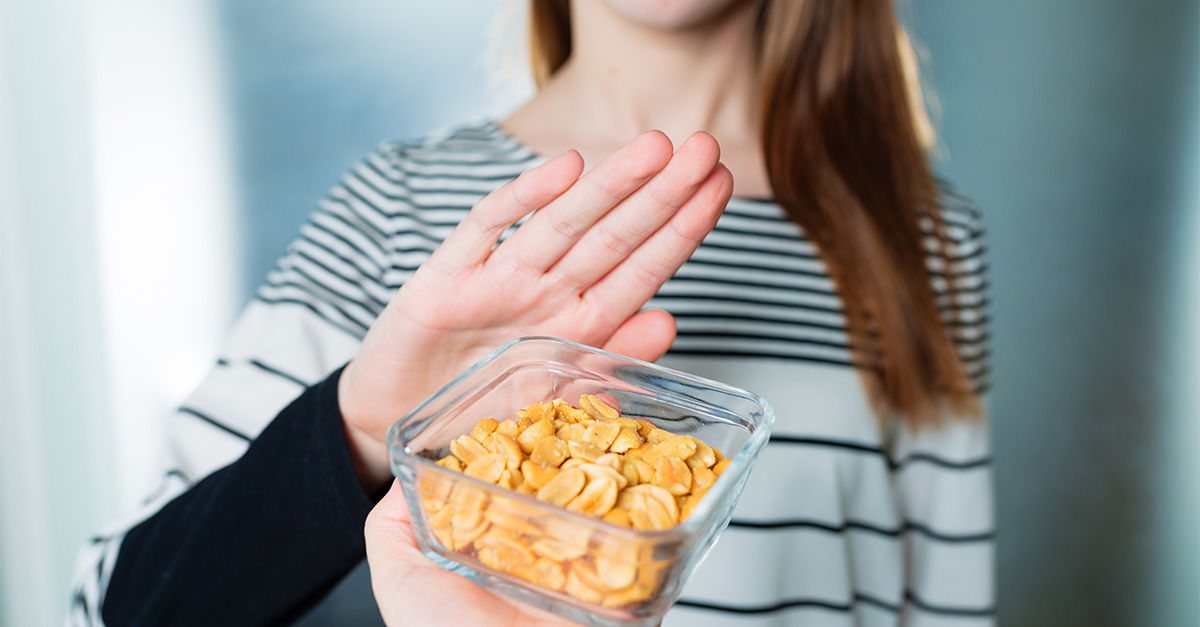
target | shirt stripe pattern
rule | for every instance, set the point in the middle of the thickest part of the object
(846, 520)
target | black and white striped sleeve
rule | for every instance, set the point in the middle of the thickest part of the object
(218, 510)
(961, 283)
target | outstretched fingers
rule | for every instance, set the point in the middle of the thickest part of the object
(556, 228)
(628, 286)
(473, 239)
(636, 219)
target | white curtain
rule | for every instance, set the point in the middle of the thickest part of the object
(115, 207)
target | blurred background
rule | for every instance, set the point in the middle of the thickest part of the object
(156, 157)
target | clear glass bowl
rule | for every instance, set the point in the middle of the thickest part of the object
(598, 553)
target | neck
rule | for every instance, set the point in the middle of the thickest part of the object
(628, 78)
(623, 78)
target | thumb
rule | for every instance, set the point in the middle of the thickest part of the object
(646, 335)
(391, 545)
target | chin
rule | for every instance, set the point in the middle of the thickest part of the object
(673, 14)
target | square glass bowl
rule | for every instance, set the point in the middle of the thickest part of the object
(614, 575)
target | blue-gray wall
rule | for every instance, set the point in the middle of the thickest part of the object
(1075, 126)
(315, 85)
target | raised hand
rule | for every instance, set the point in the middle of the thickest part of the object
(594, 250)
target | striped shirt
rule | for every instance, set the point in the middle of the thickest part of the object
(845, 520)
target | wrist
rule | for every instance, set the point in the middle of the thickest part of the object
(368, 452)
(370, 459)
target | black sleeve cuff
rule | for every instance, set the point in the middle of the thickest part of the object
(257, 542)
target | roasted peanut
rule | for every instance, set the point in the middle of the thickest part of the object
(615, 573)
(436, 490)
(463, 536)
(549, 574)
(486, 467)
(630, 472)
(466, 449)
(445, 535)
(512, 522)
(625, 499)
(601, 434)
(652, 508)
(650, 573)
(584, 451)
(533, 433)
(466, 518)
(674, 446)
(626, 439)
(628, 596)
(558, 550)
(550, 451)
(442, 517)
(568, 532)
(483, 429)
(596, 408)
(535, 413)
(597, 498)
(628, 423)
(508, 447)
(568, 413)
(596, 471)
(537, 475)
(571, 431)
(580, 590)
(509, 428)
(666, 499)
(656, 435)
(618, 516)
(672, 474)
(588, 576)
(612, 460)
(644, 470)
(690, 502)
(450, 462)
(508, 480)
(468, 496)
(704, 457)
(563, 487)
(648, 514)
(512, 545)
(702, 479)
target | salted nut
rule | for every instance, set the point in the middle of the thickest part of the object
(587, 459)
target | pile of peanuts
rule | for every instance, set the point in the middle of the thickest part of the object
(589, 460)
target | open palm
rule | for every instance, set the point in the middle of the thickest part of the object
(593, 250)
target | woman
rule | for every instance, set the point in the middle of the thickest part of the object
(839, 282)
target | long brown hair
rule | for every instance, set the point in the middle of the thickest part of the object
(843, 145)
